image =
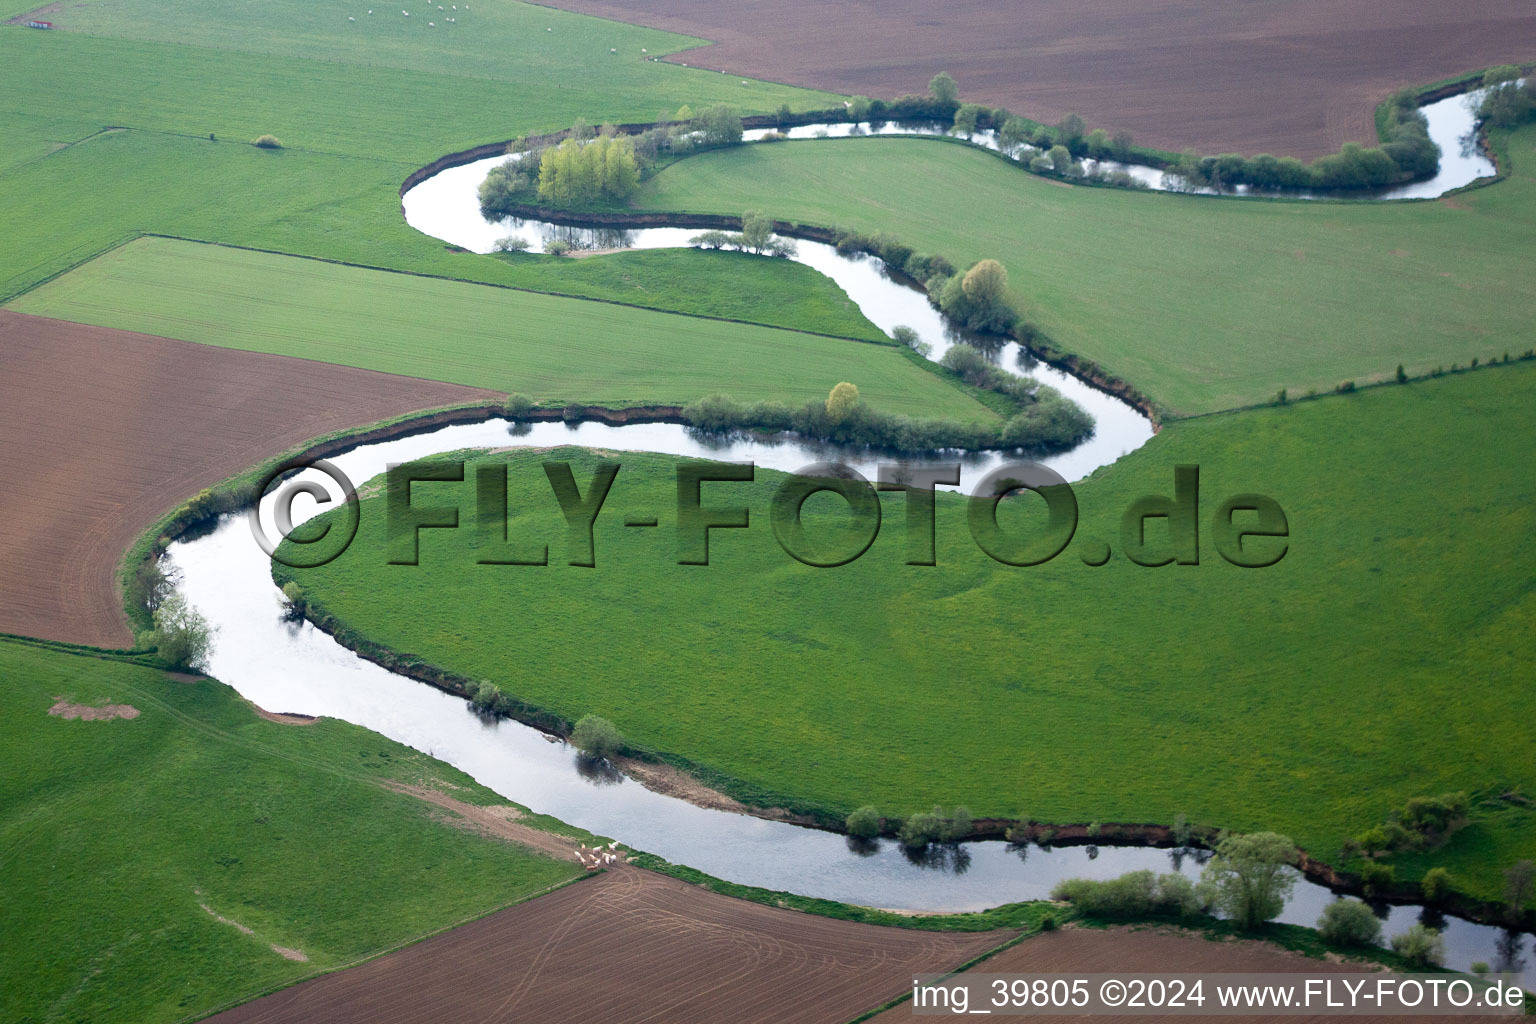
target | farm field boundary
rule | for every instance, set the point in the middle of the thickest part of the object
(1214, 77)
(474, 335)
(99, 448)
(226, 854)
(581, 953)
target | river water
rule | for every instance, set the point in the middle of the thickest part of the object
(283, 665)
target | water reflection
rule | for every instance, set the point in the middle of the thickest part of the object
(954, 858)
(859, 846)
(599, 771)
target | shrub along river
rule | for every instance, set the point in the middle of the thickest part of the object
(1452, 127)
(286, 665)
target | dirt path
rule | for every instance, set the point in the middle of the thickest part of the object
(500, 821)
(107, 430)
(1289, 77)
(632, 946)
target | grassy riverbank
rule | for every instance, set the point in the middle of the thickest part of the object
(124, 838)
(1203, 303)
(1310, 697)
(730, 285)
(555, 350)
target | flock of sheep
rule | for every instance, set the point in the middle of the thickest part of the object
(430, 24)
(598, 857)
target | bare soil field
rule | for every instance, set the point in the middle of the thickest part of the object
(633, 946)
(107, 430)
(1289, 77)
(1148, 951)
(88, 713)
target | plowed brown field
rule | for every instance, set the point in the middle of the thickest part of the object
(1289, 77)
(630, 946)
(107, 430)
(1128, 951)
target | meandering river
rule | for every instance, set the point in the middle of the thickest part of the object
(283, 665)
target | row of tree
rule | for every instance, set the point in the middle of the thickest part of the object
(576, 173)
(590, 166)
(1406, 152)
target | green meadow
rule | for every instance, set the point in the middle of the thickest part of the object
(497, 40)
(1203, 303)
(1385, 656)
(731, 285)
(114, 836)
(351, 134)
(553, 349)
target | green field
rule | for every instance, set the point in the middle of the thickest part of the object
(1385, 657)
(733, 285)
(554, 350)
(499, 40)
(113, 834)
(353, 133)
(1203, 303)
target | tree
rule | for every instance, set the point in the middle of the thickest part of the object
(841, 401)
(597, 737)
(1518, 882)
(966, 118)
(921, 829)
(1420, 946)
(721, 125)
(1250, 877)
(858, 109)
(986, 281)
(182, 637)
(1014, 133)
(864, 822)
(621, 171)
(1098, 144)
(1349, 923)
(149, 585)
(710, 240)
(1120, 146)
(1061, 159)
(756, 231)
(1070, 130)
(943, 89)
